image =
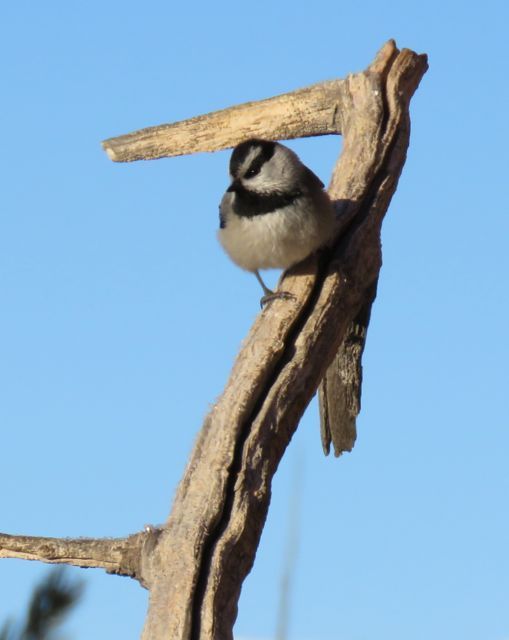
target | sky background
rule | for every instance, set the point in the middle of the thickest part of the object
(120, 315)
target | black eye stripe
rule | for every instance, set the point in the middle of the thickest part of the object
(241, 151)
(255, 167)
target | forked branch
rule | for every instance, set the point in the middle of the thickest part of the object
(209, 541)
(195, 564)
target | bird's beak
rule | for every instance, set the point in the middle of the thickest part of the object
(235, 186)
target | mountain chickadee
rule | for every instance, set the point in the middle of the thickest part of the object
(275, 212)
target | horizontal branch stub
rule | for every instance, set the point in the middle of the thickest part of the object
(311, 111)
(116, 555)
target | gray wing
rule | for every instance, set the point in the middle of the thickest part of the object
(311, 180)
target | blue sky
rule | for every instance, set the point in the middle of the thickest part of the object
(121, 316)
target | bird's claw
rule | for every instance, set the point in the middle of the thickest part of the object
(270, 296)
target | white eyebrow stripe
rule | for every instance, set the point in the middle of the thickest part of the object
(252, 155)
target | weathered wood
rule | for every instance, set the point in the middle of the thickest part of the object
(308, 112)
(120, 556)
(213, 531)
(339, 393)
(195, 564)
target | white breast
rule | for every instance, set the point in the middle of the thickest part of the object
(278, 239)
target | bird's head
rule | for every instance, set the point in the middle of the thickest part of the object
(264, 167)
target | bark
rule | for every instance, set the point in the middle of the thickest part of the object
(339, 393)
(116, 555)
(195, 564)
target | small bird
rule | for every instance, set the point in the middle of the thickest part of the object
(275, 212)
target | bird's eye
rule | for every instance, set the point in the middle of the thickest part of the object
(250, 173)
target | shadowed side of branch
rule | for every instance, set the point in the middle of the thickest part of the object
(339, 392)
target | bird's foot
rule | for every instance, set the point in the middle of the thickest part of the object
(270, 296)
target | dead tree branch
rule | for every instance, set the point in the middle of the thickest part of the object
(115, 555)
(195, 564)
(307, 112)
(220, 507)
